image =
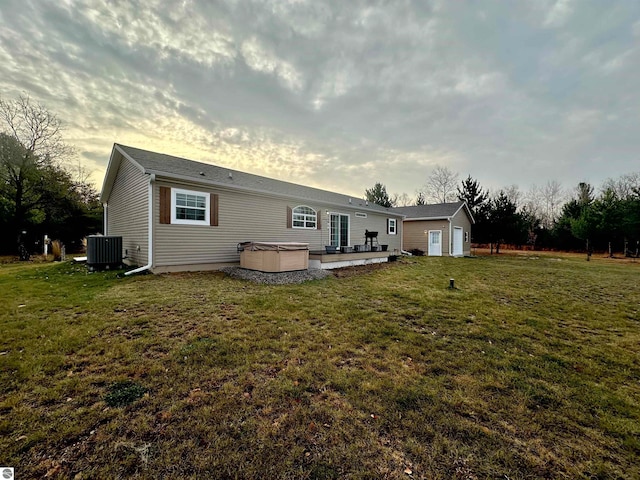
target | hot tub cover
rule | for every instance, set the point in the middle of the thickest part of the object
(267, 246)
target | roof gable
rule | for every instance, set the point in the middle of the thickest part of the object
(436, 211)
(117, 155)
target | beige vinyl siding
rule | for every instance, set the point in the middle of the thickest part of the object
(244, 216)
(415, 235)
(375, 223)
(127, 214)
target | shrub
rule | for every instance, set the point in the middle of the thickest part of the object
(56, 250)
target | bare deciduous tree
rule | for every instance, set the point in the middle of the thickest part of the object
(441, 185)
(553, 196)
(82, 183)
(623, 186)
(545, 203)
(402, 200)
(532, 201)
(513, 194)
(30, 144)
(38, 130)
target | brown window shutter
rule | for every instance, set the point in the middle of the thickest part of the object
(318, 223)
(289, 217)
(165, 205)
(214, 210)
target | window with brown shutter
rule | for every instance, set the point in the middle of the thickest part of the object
(304, 217)
(190, 207)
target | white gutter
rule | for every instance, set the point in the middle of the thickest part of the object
(152, 179)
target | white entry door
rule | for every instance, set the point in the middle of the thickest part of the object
(457, 241)
(435, 243)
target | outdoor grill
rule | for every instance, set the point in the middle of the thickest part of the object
(369, 237)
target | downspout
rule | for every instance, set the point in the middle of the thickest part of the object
(152, 179)
(104, 219)
(403, 252)
(450, 239)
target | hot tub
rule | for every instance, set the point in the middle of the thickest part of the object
(274, 256)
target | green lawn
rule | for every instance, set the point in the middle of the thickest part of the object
(530, 369)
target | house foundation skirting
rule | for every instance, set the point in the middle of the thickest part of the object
(199, 267)
(341, 260)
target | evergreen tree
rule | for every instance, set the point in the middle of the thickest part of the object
(378, 195)
(584, 193)
(585, 227)
(610, 228)
(505, 224)
(631, 223)
(563, 233)
(473, 194)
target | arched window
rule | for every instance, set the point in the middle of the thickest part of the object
(304, 217)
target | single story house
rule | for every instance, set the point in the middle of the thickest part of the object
(438, 229)
(175, 214)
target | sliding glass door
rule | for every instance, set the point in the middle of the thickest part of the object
(339, 233)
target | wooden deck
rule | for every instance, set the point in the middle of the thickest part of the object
(326, 261)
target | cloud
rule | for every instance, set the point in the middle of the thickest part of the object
(340, 95)
(559, 13)
(262, 60)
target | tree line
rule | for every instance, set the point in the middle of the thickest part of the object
(41, 191)
(547, 217)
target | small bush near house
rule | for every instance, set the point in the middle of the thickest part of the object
(416, 252)
(56, 250)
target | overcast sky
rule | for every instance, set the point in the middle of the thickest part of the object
(342, 94)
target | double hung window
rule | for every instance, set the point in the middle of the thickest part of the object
(391, 226)
(189, 207)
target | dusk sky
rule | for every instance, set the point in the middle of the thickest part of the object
(340, 94)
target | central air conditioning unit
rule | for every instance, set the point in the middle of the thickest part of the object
(104, 252)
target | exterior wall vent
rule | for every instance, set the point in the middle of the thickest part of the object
(104, 252)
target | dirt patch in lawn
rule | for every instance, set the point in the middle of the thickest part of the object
(347, 272)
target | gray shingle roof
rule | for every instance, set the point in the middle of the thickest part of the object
(177, 167)
(437, 210)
